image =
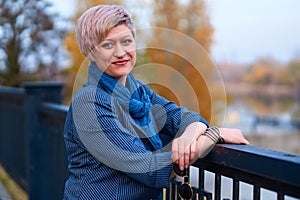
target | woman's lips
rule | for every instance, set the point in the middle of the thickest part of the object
(121, 62)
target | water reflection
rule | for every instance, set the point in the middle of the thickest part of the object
(270, 122)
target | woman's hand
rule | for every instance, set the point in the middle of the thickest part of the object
(192, 145)
(184, 148)
(233, 136)
(205, 144)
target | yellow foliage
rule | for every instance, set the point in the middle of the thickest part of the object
(260, 74)
(188, 19)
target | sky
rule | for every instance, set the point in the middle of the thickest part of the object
(251, 29)
(246, 30)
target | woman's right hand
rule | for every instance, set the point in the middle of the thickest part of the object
(184, 148)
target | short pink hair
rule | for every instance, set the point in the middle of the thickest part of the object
(95, 23)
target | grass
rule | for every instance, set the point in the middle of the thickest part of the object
(12, 188)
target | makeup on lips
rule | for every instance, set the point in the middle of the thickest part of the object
(121, 62)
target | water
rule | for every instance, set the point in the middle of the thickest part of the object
(267, 122)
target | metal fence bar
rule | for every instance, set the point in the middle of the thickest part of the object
(217, 186)
(280, 196)
(13, 139)
(52, 117)
(201, 181)
(256, 192)
(235, 189)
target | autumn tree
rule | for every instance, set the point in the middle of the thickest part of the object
(293, 69)
(260, 74)
(190, 22)
(30, 40)
(291, 75)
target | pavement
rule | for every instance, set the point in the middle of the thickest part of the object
(3, 193)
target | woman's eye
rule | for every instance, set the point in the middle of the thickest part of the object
(107, 45)
(127, 41)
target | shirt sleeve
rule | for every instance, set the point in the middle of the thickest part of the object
(109, 136)
(171, 118)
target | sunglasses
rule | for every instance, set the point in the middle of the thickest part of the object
(185, 190)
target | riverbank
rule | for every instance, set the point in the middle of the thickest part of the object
(285, 142)
(241, 88)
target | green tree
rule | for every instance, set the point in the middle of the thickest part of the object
(30, 40)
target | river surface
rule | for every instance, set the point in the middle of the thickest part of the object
(272, 123)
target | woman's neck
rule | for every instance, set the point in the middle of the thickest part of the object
(122, 80)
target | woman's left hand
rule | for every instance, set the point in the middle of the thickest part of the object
(233, 136)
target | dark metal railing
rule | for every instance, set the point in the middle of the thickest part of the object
(13, 146)
(261, 168)
(32, 151)
(31, 138)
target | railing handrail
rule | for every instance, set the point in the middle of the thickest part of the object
(263, 168)
(276, 164)
(11, 90)
(53, 109)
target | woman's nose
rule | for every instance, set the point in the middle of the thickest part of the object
(119, 51)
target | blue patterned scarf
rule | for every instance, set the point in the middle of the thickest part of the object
(136, 101)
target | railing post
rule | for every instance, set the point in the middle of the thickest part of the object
(35, 94)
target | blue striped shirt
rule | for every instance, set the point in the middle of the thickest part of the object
(108, 153)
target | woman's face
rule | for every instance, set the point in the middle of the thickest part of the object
(116, 54)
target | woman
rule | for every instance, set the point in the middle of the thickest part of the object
(115, 123)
